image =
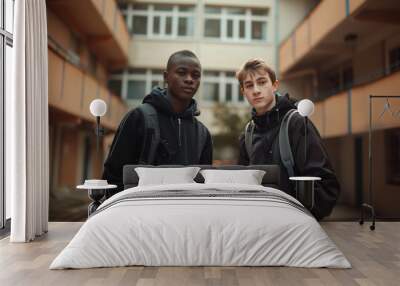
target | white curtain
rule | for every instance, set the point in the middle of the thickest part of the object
(27, 155)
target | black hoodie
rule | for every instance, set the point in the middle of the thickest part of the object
(178, 138)
(266, 151)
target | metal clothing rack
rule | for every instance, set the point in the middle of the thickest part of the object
(369, 205)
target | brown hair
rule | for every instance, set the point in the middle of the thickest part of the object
(253, 65)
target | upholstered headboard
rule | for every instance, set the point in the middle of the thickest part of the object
(270, 179)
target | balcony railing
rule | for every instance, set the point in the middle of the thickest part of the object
(101, 23)
(324, 18)
(347, 112)
(71, 90)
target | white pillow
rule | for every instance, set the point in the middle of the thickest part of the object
(163, 176)
(248, 177)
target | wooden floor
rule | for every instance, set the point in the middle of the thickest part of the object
(375, 257)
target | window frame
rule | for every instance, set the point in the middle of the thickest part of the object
(6, 39)
(223, 80)
(148, 76)
(150, 13)
(224, 17)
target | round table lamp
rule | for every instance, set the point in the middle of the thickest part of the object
(98, 108)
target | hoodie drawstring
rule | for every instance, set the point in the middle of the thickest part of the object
(279, 118)
(179, 132)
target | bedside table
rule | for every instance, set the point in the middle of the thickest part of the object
(305, 190)
(96, 193)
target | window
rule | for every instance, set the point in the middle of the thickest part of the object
(236, 24)
(136, 89)
(6, 64)
(230, 86)
(258, 30)
(228, 92)
(212, 28)
(159, 20)
(183, 26)
(393, 156)
(394, 59)
(139, 25)
(221, 87)
(334, 82)
(115, 85)
(9, 16)
(339, 79)
(241, 96)
(134, 84)
(211, 91)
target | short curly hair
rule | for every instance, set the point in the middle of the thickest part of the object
(253, 65)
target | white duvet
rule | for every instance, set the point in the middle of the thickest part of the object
(207, 230)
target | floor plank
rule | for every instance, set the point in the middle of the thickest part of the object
(375, 257)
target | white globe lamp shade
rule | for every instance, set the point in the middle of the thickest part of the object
(305, 107)
(98, 107)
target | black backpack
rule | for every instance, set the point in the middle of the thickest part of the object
(152, 135)
(284, 143)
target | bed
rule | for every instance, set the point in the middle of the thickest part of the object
(201, 224)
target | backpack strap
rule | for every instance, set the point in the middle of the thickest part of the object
(151, 134)
(248, 138)
(201, 138)
(284, 143)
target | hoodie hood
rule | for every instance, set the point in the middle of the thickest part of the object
(158, 98)
(274, 116)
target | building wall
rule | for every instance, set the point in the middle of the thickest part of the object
(291, 13)
(369, 63)
(59, 31)
(347, 170)
(73, 44)
(213, 56)
(78, 73)
(341, 154)
(344, 59)
(385, 196)
(298, 87)
(68, 158)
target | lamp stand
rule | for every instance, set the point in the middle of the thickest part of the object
(99, 131)
(305, 138)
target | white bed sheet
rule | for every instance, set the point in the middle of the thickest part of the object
(191, 231)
